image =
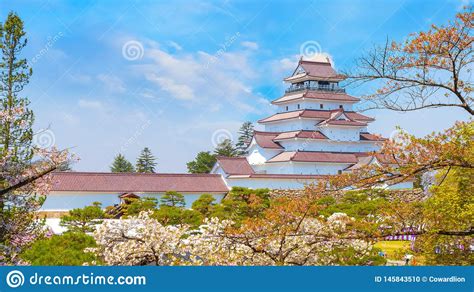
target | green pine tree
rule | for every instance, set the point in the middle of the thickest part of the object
(17, 212)
(16, 135)
(225, 148)
(203, 163)
(146, 161)
(121, 164)
(172, 199)
(245, 138)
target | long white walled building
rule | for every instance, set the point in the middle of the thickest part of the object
(315, 132)
(79, 189)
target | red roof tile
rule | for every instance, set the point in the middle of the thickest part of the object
(265, 140)
(310, 156)
(320, 95)
(371, 137)
(318, 69)
(137, 182)
(344, 123)
(304, 134)
(235, 165)
(314, 114)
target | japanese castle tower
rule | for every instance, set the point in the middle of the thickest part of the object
(315, 132)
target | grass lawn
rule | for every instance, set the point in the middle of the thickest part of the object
(395, 249)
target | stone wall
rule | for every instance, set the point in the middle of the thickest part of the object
(415, 195)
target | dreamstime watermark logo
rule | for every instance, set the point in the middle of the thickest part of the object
(309, 49)
(44, 139)
(15, 279)
(224, 47)
(220, 136)
(49, 45)
(133, 50)
(133, 139)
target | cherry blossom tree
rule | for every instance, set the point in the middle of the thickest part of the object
(430, 69)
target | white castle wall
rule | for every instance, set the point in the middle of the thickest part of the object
(341, 133)
(63, 201)
(258, 155)
(304, 168)
(313, 104)
(291, 125)
(329, 146)
(269, 183)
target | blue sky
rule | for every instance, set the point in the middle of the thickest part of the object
(116, 76)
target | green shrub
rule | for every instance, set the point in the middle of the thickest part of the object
(61, 250)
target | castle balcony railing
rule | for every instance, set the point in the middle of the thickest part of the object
(330, 88)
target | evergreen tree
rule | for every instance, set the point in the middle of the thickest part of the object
(204, 204)
(172, 199)
(245, 138)
(83, 219)
(121, 164)
(225, 148)
(66, 249)
(15, 134)
(18, 218)
(146, 161)
(203, 163)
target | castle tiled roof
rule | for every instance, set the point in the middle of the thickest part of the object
(315, 69)
(314, 114)
(318, 95)
(266, 140)
(235, 165)
(344, 123)
(137, 182)
(371, 137)
(270, 140)
(304, 134)
(315, 156)
(339, 118)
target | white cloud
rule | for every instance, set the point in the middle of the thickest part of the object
(223, 78)
(112, 82)
(179, 91)
(175, 45)
(250, 45)
(90, 104)
(80, 78)
(69, 119)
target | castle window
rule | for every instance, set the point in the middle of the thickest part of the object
(339, 171)
(340, 106)
(298, 106)
(321, 106)
(286, 108)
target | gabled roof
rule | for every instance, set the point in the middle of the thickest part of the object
(304, 134)
(266, 140)
(321, 70)
(314, 114)
(362, 161)
(137, 182)
(315, 156)
(365, 159)
(317, 95)
(339, 118)
(365, 136)
(235, 165)
(344, 123)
